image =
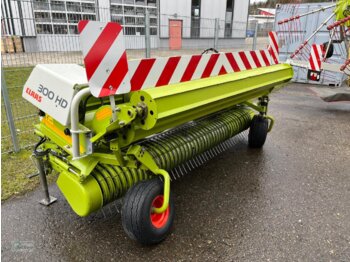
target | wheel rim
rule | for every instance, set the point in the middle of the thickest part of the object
(159, 220)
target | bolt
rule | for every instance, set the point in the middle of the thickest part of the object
(122, 123)
(110, 87)
(117, 109)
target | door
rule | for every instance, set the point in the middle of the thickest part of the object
(175, 34)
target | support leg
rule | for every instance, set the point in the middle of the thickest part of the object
(47, 200)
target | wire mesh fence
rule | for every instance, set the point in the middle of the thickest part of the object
(45, 31)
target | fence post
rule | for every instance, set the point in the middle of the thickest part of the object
(216, 33)
(9, 114)
(147, 35)
(255, 35)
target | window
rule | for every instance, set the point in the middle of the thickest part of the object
(74, 18)
(153, 31)
(140, 2)
(140, 31)
(89, 17)
(60, 29)
(229, 17)
(42, 17)
(73, 30)
(132, 15)
(140, 20)
(195, 18)
(153, 21)
(129, 10)
(152, 2)
(129, 20)
(73, 7)
(118, 19)
(129, 31)
(88, 8)
(59, 18)
(57, 6)
(44, 29)
(41, 5)
(116, 9)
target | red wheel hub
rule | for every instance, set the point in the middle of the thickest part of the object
(159, 220)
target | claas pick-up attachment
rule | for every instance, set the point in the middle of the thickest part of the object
(120, 128)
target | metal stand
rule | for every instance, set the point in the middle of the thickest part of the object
(47, 200)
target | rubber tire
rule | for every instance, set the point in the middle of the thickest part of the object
(258, 132)
(136, 211)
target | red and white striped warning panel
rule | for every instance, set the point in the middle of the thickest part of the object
(273, 46)
(109, 72)
(104, 57)
(155, 72)
(315, 58)
(315, 61)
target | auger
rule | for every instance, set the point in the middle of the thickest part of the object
(120, 128)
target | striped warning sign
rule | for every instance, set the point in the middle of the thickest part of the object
(155, 72)
(316, 56)
(104, 57)
(109, 72)
(273, 46)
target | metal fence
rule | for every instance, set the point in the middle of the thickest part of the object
(46, 32)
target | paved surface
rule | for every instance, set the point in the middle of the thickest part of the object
(287, 202)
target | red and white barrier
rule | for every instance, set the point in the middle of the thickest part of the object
(109, 72)
(316, 56)
(104, 57)
(273, 46)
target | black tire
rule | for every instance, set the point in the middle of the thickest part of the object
(258, 131)
(136, 213)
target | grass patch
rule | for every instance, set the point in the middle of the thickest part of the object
(16, 167)
(14, 171)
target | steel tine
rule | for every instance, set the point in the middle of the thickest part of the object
(180, 170)
(221, 148)
(176, 172)
(188, 166)
(192, 163)
(224, 145)
(200, 158)
(209, 154)
(214, 151)
(196, 161)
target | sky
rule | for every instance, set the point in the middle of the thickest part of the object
(256, 1)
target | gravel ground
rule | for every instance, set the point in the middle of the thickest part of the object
(287, 202)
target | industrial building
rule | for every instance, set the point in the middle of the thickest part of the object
(51, 25)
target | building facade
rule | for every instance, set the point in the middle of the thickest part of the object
(51, 25)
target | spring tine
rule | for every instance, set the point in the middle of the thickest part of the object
(176, 174)
(213, 151)
(224, 144)
(222, 147)
(200, 159)
(207, 155)
(197, 161)
(182, 174)
(210, 154)
(231, 143)
(192, 163)
(188, 166)
(217, 149)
